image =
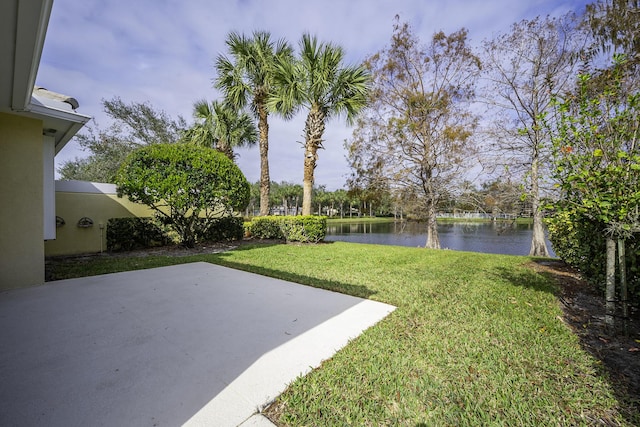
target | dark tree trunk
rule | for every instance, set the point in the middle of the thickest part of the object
(610, 292)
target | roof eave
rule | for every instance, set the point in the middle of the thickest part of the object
(71, 131)
(29, 45)
(73, 122)
(54, 113)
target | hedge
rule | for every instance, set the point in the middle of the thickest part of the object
(306, 229)
(223, 228)
(580, 242)
(125, 234)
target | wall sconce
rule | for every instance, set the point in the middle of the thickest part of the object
(85, 222)
(59, 221)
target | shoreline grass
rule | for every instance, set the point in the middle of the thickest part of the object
(360, 220)
(484, 220)
(477, 339)
(366, 219)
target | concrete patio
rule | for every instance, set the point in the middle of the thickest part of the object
(195, 344)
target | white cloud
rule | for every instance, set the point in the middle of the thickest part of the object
(163, 52)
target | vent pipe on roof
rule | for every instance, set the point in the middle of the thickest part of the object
(40, 91)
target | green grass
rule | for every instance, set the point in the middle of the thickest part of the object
(477, 339)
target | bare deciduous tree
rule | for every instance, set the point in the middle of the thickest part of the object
(418, 127)
(523, 69)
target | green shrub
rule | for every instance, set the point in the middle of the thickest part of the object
(125, 234)
(184, 183)
(580, 242)
(221, 229)
(305, 229)
(311, 229)
(574, 240)
(266, 227)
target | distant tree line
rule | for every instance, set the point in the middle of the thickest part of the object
(492, 198)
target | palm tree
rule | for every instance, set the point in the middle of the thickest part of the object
(318, 82)
(221, 127)
(246, 78)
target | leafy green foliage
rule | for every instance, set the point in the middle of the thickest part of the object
(245, 77)
(615, 25)
(187, 186)
(107, 152)
(125, 234)
(287, 195)
(221, 127)
(306, 228)
(144, 124)
(222, 228)
(597, 161)
(134, 125)
(577, 240)
(597, 152)
(265, 227)
(319, 82)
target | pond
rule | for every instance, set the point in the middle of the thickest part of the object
(506, 237)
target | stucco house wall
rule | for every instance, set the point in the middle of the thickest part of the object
(79, 199)
(35, 124)
(21, 186)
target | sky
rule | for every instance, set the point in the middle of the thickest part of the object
(163, 52)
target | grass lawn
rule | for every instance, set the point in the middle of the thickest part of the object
(477, 339)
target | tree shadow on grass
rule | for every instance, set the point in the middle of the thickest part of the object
(527, 278)
(330, 285)
(583, 312)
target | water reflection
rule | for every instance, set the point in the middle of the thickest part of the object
(490, 237)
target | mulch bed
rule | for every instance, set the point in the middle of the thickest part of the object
(584, 312)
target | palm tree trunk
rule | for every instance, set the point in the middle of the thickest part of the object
(307, 188)
(225, 148)
(314, 128)
(265, 180)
